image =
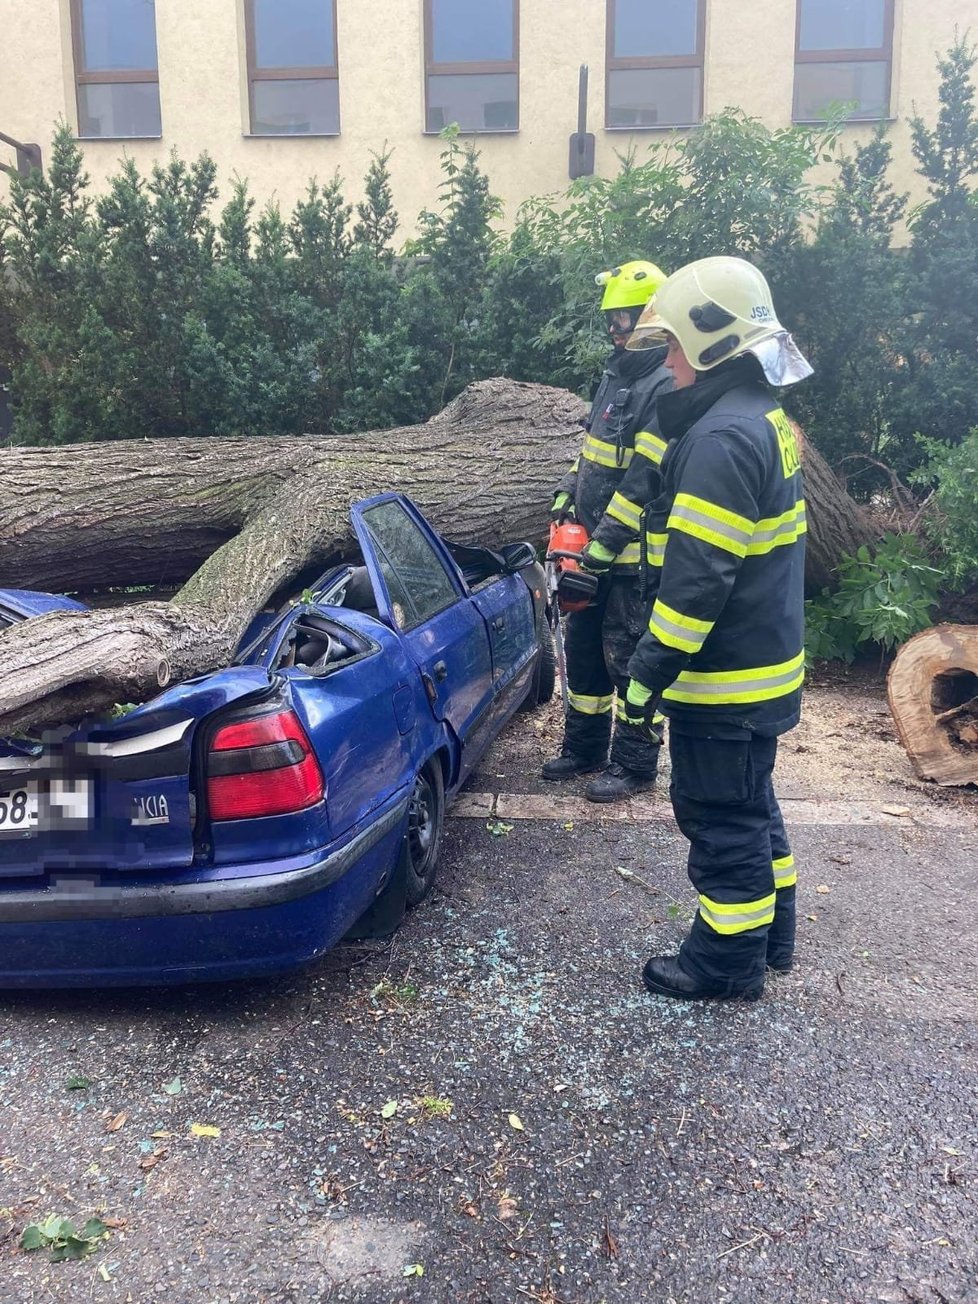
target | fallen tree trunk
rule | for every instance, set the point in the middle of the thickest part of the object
(234, 520)
(932, 689)
(836, 523)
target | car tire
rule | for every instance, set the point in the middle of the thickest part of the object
(422, 839)
(546, 676)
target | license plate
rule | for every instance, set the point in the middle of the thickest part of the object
(18, 810)
(52, 804)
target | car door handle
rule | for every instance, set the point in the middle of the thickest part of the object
(499, 623)
(441, 671)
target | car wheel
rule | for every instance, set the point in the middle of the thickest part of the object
(426, 816)
(546, 677)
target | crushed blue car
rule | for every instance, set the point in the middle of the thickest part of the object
(244, 822)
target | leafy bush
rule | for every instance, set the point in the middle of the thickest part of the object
(883, 598)
(953, 528)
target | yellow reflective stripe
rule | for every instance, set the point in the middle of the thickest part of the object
(723, 687)
(785, 874)
(775, 531)
(624, 510)
(630, 555)
(737, 917)
(590, 705)
(605, 454)
(650, 446)
(705, 520)
(674, 629)
(655, 548)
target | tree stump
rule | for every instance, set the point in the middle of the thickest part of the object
(933, 694)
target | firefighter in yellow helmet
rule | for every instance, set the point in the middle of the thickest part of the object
(724, 650)
(606, 491)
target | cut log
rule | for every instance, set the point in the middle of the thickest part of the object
(933, 694)
(230, 522)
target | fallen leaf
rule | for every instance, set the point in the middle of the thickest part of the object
(813, 918)
(498, 829)
(161, 1136)
(508, 1208)
(560, 1086)
(470, 1210)
(114, 1223)
(414, 1270)
(516, 1122)
(152, 1160)
(569, 825)
(823, 889)
(609, 1246)
(78, 1083)
(103, 1272)
(389, 1110)
(204, 1129)
(115, 1123)
(950, 1150)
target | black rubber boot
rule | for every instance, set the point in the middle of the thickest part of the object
(568, 765)
(618, 784)
(663, 975)
(780, 961)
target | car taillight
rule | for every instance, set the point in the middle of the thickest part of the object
(263, 766)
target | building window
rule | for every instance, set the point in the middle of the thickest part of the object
(116, 73)
(842, 57)
(655, 63)
(471, 65)
(292, 78)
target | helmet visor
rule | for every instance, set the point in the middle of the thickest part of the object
(650, 330)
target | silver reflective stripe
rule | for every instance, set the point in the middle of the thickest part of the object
(683, 513)
(796, 525)
(738, 685)
(656, 550)
(658, 624)
(745, 917)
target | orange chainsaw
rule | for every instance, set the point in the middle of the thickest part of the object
(569, 588)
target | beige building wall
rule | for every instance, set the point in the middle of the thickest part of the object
(749, 63)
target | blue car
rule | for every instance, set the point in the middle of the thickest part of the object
(243, 822)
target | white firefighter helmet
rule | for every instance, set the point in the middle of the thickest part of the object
(720, 308)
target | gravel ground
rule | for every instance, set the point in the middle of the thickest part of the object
(494, 1099)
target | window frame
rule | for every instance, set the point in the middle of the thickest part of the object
(85, 76)
(475, 66)
(882, 54)
(622, 63)
(313, 72)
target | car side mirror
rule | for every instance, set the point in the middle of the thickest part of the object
(517, 556)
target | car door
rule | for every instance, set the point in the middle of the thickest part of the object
(421, 595)
(507, 607)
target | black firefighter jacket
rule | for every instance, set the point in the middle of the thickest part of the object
(617, 472)
(725, 642)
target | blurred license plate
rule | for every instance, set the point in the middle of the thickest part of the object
(52, 804)
(18, 810)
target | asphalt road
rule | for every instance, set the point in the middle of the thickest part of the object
(494, 1099)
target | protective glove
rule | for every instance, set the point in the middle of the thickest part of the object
(642, 711)
(563, 508)
(596, 559)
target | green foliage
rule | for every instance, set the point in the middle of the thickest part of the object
(60, 1237)
(953, 528)
(883, 598)
(153, 311)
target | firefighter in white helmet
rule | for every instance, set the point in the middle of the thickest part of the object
(723, 655)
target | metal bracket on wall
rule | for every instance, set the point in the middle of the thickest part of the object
(582, 141)
(28, 156)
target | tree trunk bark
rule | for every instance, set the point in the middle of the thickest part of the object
(234, 520)
(933, 693)
(836, 523)
(135, 513)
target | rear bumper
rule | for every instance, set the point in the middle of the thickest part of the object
(82, 933)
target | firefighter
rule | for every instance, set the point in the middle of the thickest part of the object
(724, 649)
(605, 491)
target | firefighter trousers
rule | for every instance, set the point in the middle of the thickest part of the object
(598, 644)
(740, 862)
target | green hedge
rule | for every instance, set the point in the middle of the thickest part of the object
(150, 312)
